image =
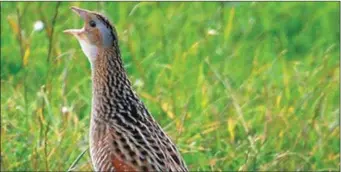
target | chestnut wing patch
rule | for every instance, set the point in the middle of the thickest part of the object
(120, 165)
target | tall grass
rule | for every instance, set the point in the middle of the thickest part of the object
(238, 86)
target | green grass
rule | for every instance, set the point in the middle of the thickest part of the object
(238, 86)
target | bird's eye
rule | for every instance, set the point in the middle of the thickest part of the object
(92, 23)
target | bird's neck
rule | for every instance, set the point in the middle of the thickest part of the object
(109, 77)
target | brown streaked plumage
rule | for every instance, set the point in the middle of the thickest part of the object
(123, 134)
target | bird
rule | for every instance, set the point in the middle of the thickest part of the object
(123, 135)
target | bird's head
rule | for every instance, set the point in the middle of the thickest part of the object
(96, 33)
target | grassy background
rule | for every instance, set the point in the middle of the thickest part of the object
(238, 86)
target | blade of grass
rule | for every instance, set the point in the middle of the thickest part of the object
(77, 160)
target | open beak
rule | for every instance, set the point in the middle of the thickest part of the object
(81, 12)
(84, 15)
(74, 32)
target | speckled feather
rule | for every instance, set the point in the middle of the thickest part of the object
(123, 134)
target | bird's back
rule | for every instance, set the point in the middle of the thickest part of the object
(124, 134)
